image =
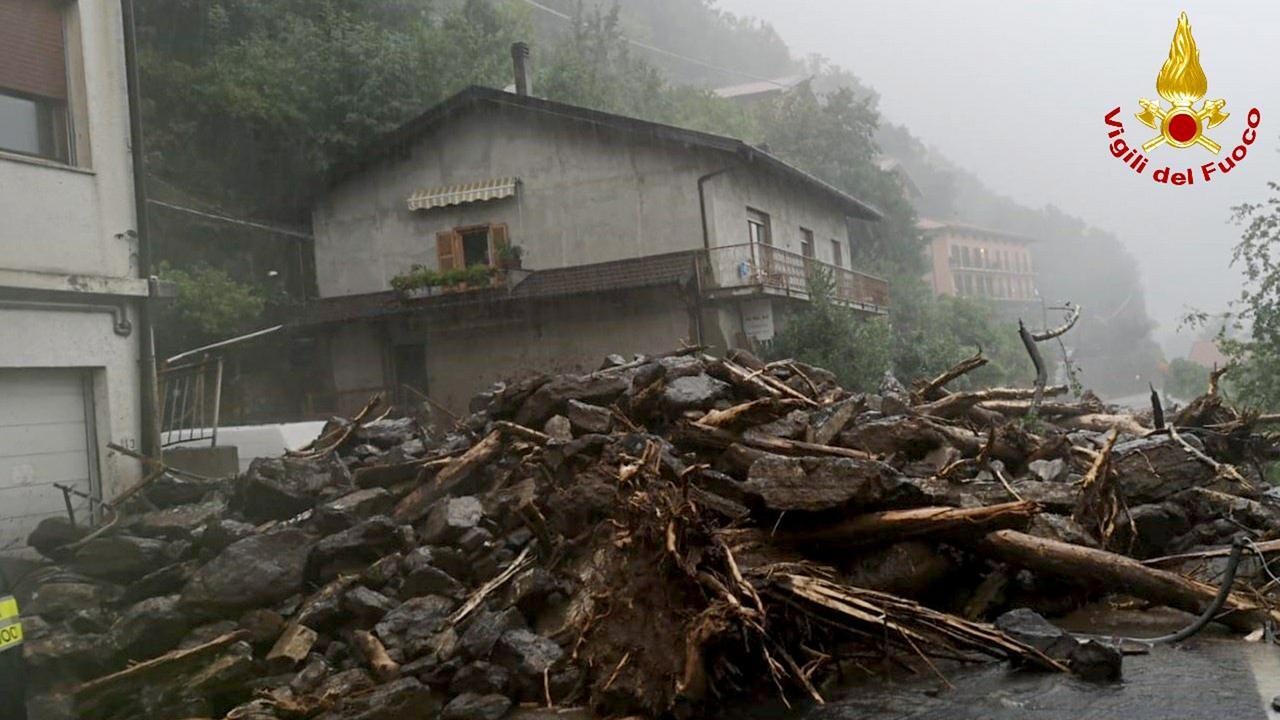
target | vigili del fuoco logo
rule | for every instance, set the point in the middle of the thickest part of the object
(1183, 126)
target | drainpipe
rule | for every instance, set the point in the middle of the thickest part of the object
(702, 204)
(706, 247)
(150, 440)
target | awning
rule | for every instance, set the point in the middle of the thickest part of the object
(494, 189)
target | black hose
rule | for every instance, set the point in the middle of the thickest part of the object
(1233, 562)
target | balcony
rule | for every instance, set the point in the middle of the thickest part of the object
(752, 269)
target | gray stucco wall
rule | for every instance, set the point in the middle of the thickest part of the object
(587, 195)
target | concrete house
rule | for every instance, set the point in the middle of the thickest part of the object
(69, 271)
(635, 236)
(969, 261)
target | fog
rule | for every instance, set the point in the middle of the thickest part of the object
(1017, 92)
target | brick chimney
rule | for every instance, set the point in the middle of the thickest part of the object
(520, 62)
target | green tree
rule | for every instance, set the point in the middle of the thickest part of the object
(1186, 380)
(829, 335)
(210, 305)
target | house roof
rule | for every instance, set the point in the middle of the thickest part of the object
(668, 269)
(476, 96)
(760, 87)
(1208, 354)
(930, 226)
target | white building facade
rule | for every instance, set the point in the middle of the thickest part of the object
(70, 281)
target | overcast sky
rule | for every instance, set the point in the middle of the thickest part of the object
(1016, 92)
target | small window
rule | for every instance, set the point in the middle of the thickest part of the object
(965, 260)
(33, 80)
(758, 231)
(469, 246)
(806, 242)
(837, 254)
(475, 246)
(953, 255)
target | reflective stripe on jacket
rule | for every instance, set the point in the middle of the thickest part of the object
(10, 624)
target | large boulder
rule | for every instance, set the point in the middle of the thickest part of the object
(281, 488)
(1029, 628)
(692, 392)
(257, 571)
(552, 396)
(150, 627)
(407, 630)
(588, 418)
(525, 653)
(449, 518)
(119, 558)
(403, 699)
(1152, 469)
(472, 706)
(352, 550)
(486, 628)
(53, 533)
(180, 522)
(812, 483)
(346, 511)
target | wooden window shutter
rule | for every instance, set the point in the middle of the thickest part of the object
(449, 250)
(499, 241)
(32, 60)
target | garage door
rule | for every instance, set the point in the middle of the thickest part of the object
(45, 431)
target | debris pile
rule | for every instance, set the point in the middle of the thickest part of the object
(663, 536)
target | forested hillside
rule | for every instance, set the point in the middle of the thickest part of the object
(248, 101)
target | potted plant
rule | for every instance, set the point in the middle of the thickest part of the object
(511, 257)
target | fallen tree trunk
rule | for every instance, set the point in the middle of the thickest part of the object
(956, 404)
(1117, 573)
(895, 525)
(415, 504)
(698, 434)
(1102, 422)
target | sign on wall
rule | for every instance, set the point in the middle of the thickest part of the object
(757, 319)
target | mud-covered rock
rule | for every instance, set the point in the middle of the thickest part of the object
(481, 678)
(525, 653)
(1029, 627)
(449, 518)
(472, 706)
(588, 418)
(119, 558)
(354, 549)
(254, 572)
(484, 630)
(407, 630)
(150, 627)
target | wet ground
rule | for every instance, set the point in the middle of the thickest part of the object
(1210, 677)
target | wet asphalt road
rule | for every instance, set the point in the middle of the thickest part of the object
(1215, 676)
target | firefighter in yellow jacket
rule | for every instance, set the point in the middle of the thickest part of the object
(13, 681)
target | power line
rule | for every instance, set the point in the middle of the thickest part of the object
(661, 51)
(232, 220)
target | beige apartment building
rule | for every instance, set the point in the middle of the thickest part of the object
(969, 261)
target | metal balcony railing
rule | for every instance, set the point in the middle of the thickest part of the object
(776, 271)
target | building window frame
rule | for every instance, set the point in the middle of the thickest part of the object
(759, 231)
(54, 109)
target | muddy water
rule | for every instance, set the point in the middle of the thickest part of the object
(1214, 676)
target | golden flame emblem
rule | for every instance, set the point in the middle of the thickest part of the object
(1182, 83)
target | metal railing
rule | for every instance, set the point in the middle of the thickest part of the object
(190, 398)
(752, 265)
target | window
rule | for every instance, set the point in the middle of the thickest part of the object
(33, 80)
(953, 255)
(475, 246)
(758, 228)
(837, 254)
(964, 257)
(806, 242)
(472, 245)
